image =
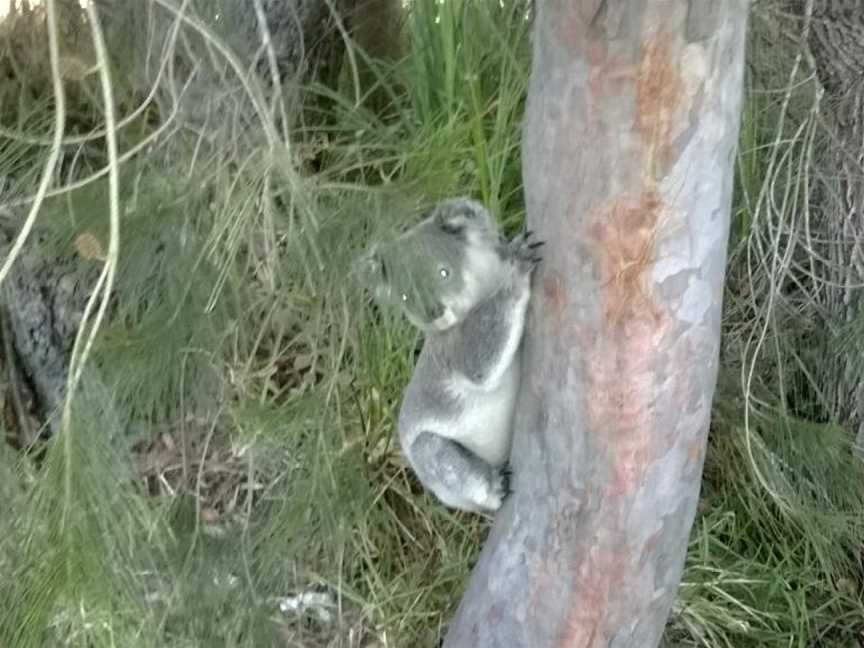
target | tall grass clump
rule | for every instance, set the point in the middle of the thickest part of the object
(775, 558)
(237, 447)
(227, 473)
(452, 120)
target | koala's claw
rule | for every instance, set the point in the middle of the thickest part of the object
(506, 473)
(524, 250)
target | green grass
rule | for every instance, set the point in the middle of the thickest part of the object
(233, 444)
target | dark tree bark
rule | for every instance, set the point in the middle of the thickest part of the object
(376, 25)
(632, 120)
(836, 40)
(42, 302)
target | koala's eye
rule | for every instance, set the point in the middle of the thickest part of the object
(404, 297)
(444, 272)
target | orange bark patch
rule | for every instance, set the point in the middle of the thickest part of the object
(662, 104)
(620, 367)
(657, 89)
(625, 233)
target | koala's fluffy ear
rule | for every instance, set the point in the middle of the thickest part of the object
(453, 216)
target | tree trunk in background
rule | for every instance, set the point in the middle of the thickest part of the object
(377, 29)
(376, 25)
(632, 120)
(304, 40)
(43, 301)
(836, 40)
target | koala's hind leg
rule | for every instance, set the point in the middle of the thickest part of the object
(458, 477)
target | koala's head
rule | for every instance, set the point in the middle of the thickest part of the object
(440, 268)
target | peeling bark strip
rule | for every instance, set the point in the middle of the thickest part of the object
(628, 148)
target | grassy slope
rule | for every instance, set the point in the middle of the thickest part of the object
(233, 442)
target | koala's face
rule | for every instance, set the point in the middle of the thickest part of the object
(438, 269)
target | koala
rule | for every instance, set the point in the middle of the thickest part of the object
(457, 280)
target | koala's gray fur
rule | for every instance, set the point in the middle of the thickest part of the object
(468, 289)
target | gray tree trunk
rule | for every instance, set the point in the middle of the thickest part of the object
(836, 40)
(632, 120)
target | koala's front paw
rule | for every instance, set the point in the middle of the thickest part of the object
(525, 251)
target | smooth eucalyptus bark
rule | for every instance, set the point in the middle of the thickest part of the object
(631, 125)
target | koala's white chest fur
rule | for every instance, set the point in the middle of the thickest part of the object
(485, 423)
